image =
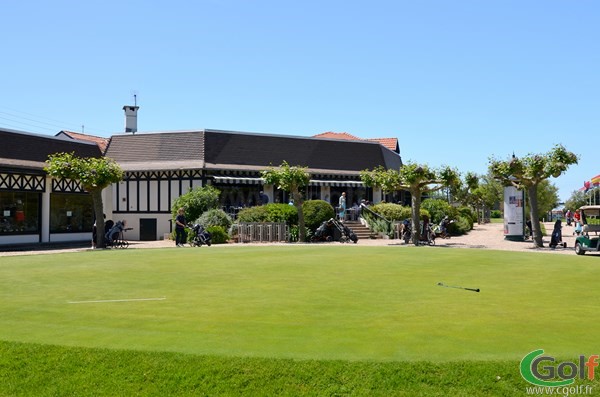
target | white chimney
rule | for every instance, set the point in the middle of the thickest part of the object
(131, 118)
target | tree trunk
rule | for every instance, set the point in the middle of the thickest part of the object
(99, 212)
(298, 203)
(416, 216)
(536, 233)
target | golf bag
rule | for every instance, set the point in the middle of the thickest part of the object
(201, 236)
(333, 230)
(427, 235)
(441, 230)
(324, 232)
(556, 237)
(345, 233)
(406, 231)
(114, 233)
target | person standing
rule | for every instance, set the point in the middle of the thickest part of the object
(264, 199)
(342, 206)
(180, 235)
(577, 220)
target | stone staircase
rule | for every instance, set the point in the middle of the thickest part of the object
(361, 231)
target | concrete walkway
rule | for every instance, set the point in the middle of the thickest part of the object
(486, 236)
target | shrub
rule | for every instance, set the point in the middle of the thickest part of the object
(496, 214)
(253, 214)
(282, 213)
(468, 213)
(295, 233)
(196, 201)
(316, 212)
(379, 225)
(438, 209)
(215, 217)
(461, 226)
(391, 212)
(218, 234)
(270, 213)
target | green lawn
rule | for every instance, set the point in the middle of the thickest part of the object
(325, 302)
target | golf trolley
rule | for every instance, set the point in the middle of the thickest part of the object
(201, 236)
(427, 237)
(334, 230)
(115, 236)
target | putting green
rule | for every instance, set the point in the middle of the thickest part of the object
(309, 302)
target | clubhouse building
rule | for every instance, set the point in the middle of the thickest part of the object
(161, 166)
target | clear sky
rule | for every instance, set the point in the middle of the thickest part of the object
(455, 81)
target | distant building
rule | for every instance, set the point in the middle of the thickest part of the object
(390, 143)
(101, 142)
(161, 166)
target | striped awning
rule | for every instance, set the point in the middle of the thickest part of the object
(318, 182)
(238, 180)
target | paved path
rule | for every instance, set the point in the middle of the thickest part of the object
(487, 236)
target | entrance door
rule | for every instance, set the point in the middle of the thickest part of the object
(148, 229)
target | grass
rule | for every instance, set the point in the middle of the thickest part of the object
(42, 370)
(279, 313)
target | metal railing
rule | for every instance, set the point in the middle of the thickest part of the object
(392, 228)
(370, 211)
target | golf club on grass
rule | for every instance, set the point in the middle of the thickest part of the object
(451, 286)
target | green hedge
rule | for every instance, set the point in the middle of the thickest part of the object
(391, 212)
(438, 209)
(270, 213)
(196, 201)
(215, 217)
(394, 212)
(218, 234)
(316, 212)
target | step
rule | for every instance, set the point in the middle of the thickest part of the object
(361, 231)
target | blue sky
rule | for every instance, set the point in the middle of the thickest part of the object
(455, 81)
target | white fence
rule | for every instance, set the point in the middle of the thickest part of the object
(264, 232)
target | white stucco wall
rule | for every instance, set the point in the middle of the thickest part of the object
(19, 239)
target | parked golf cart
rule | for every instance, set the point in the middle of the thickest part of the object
(590, 217)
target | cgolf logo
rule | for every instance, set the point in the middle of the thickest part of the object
(540, 370)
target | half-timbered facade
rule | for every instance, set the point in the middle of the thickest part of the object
(33, 207)
(161, 166)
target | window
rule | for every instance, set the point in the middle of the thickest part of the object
(71, 213)
(20, 213)
(239, 195)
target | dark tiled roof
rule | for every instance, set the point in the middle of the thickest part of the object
(214, 149)
(157, 147)
(223, 147)
(22, 149)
